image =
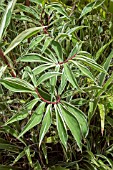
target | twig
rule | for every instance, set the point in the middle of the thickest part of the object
(4, 58)
(27, 2)
(46, 101)
(60, 63)
(44, 29)
(72, 11)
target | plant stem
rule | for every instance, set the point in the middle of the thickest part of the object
(4, 58)
(44, 29)
(60, 63)
(27, 2)
(46, 101)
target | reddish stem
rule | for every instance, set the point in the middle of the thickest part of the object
(44, 29)
(7, 63)
(27, 2)
(46, 101)
(58, 97)
(60, 63)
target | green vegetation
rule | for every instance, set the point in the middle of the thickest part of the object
(56, 85)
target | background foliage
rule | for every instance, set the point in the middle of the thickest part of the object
(56, 85)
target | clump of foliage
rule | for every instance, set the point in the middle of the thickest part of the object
(56, 85)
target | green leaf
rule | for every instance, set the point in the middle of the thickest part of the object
(61, 36)
(9, 147)
(84, 70)
(29, 10)
(72, 124)
(105, 86)
(79, 102)
(3, 167)
(101, 50)
(106, 67)
(46, 76)
(45, 152)
(103, 165)
(61, 127)
(18, 116)
(2, 70)
(91, 88)
(34, 57)
(89, 7)
(58, 50)
(30, 73)
(90, 62)
(102, 116)
(80, 116)
(28, 154)
(58, 168)
(44, 94)
(36, 41)
(110, 162)
(109, 120)
(39, 69)
(110, 100)
(23, 17)
(58, 8)
(63, 83)
(3, 141)
(38, 1)
(47, 42)
(70, 76)
(31, 104)
(7, 17)
(35, 119)
(21, 154)
(90, 111)
(37, 166)
(109, 6)
(51, 55)
(75, 50)
(22, 36)
(67, 93)
(45, 124)
(53, 82)
(70, 31)
(17, 85)
(85, 53)
(11, 131)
